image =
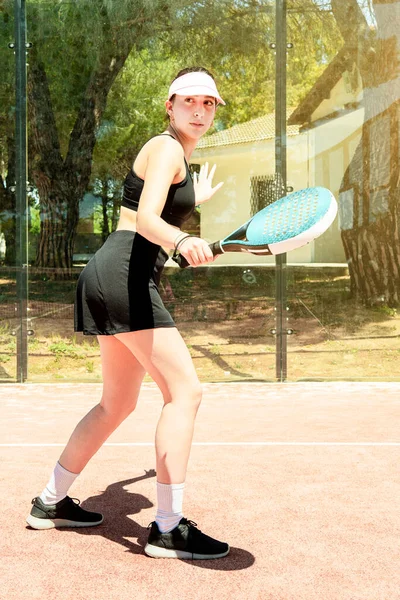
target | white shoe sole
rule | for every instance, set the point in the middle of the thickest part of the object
(157, 552)
(37, 523)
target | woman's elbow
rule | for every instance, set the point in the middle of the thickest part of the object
(140, 223)
(146, 224)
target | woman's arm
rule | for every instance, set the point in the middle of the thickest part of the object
(164, 163)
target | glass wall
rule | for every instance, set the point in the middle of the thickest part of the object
(343, 310)
(96, 92)
(9, 322)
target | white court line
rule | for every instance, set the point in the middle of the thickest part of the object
(241, 444)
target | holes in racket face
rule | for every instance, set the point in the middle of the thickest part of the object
(290, 216)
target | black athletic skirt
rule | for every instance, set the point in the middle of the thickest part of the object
(118, 289)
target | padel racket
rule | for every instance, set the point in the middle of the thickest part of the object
(284, 225)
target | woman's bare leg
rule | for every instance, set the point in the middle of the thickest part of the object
(122, 378)
(164, 355)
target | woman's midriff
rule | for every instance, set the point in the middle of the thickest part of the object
(127, 221)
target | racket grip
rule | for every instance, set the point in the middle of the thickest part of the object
(181, 261)
(215, 248)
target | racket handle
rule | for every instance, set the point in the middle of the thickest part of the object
(181, 261)
(215, 248)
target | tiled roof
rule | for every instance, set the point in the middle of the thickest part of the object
(262, 128)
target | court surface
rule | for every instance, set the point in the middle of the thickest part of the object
(302, 480)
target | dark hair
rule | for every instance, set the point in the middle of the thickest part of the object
(193, 70)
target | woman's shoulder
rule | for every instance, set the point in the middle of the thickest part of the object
(164, 146)
(162, 149)
(165, 140)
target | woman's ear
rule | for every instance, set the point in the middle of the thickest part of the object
(168, 107)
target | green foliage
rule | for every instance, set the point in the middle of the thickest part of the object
(76, 40)
(135, 111)
(65, 348)
(89, 364)
(230, 38)
(386, 310)
(313, 52)
(34, 221)
(7, 96)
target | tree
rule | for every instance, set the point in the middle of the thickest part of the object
(61, 174)
(7, 141)
(61, 164)
(369, 192)
(96, 74)
(241, 58)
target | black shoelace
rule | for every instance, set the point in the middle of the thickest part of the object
(187, 522)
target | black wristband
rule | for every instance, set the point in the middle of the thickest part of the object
(178, 245)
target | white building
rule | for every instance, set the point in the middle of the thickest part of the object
(322, 135)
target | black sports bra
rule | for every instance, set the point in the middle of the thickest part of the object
(180, 201)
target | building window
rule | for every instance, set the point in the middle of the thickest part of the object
(263, 192)
(194, 168)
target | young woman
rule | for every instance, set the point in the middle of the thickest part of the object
(118, 300)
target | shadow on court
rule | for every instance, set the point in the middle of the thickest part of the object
(118, 505)
(220, 362)
(300, 479)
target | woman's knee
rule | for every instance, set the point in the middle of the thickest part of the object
(189, 394)
(118, 405)
(197, 393)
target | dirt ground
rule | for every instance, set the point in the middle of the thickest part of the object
(241, 347)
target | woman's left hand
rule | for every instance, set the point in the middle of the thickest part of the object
(203, 184)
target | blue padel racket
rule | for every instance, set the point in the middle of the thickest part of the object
(286, 224)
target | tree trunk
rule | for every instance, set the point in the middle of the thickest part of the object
(373, 257)
(59, 219)
(369, 193)
(62, 183)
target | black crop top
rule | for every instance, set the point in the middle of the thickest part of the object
(180, 201)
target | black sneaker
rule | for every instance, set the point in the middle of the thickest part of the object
(65, 513)
(185, 542)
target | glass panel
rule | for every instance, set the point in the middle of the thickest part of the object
(8, 292)
(97, 92)
(344, 287)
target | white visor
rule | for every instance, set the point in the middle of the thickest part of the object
(195, 84)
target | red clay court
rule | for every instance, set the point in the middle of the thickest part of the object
(302, 480)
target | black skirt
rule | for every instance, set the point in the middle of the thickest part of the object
(118, 289)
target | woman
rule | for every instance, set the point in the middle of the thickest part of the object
(118, 300)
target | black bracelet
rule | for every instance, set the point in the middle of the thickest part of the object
(178, 245)
(178, 236)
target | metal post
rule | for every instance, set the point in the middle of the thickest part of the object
(21, 189)
(280, 168)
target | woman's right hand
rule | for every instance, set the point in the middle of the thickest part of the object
(196, 251)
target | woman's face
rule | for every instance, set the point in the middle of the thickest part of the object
(191, 115)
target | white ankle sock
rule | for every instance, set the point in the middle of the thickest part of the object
(169, 505)
(58, 485)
